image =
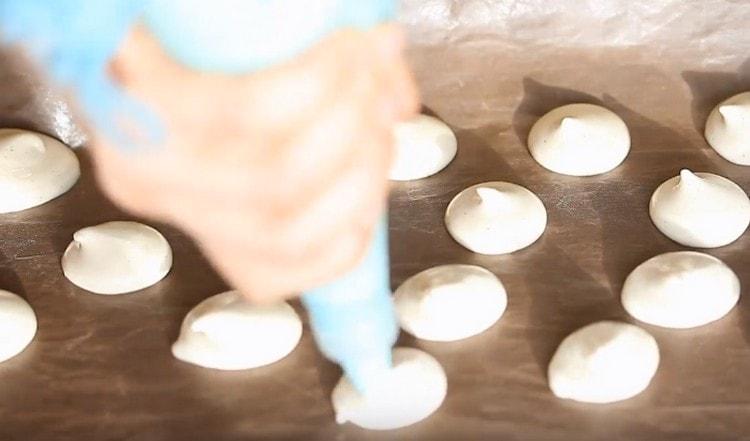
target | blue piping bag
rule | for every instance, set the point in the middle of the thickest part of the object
(352, 318)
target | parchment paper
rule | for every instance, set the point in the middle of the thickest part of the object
(100, 367)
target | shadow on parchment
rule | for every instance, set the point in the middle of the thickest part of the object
(418, 237)
(744, 310)
(540, 98)
(27, 101)
(565, 299)
(620, 202)
(628, 235)
(557, 298)
(711, 88)
(9, 280)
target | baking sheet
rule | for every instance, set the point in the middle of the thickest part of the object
(100, 367)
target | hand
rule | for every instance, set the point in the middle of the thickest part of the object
(280, 175)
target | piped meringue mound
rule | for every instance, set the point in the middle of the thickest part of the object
(579, 140)
(228, 332)
(411, 391)
(603, 362)
(34, 169)
(701, 210)
(450, 302)
(683, 289)
(117, 258)
(423, 146)
(728, 129)
(496, 218)
(17, 325)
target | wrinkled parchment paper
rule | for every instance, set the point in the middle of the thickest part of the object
(100, 368)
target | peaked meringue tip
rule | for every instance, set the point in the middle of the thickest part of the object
(731, 112)
(687, 177)
(492, 198)
(569, 122)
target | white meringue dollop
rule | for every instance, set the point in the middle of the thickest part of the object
(603, 362)
(228, 332)
(496, 218)
(424, 145)
(701, 210)
(34, 169)
(413, 389)
(450, 302)
(117, 258)
(682, 289)
(579, 140)
(17, 325)
(728, 129)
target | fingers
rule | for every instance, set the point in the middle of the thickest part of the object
(390, 41)
(269, 280)
(280, 175)
(293, 93)
(355, 199)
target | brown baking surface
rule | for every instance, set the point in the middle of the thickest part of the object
(100, 367)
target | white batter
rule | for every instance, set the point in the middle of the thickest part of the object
(450, 302)
(17, 325)
(681, 290)
(34, 169)
(411, 392)
(423, 146)
(117, 258)
(496, 218)
(228, 332)
(603, 362)
(700, 210)
(728, 129)
(579, 140)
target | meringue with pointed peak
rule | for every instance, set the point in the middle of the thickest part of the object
(682, 289)
(579, 140)
(34, 169)
(603, 362)
(701, 210)
(117, 258)
(423, 146)
(728, 129)
(228, 332)
(17, 325)
(450, 302)
(496, 218)
(411, 391)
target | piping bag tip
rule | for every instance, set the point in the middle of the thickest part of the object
(366, 374)
(353, 319)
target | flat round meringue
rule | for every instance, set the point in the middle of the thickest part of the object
(728, 129)
(228, 332)
(423, 146)
(682, 289)
(17, 325)
(450, 302)
(496, 218)
(34, 169)
(603, 362)
(117, 258)
(409, 393)
(701, 210)
(579, 140)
